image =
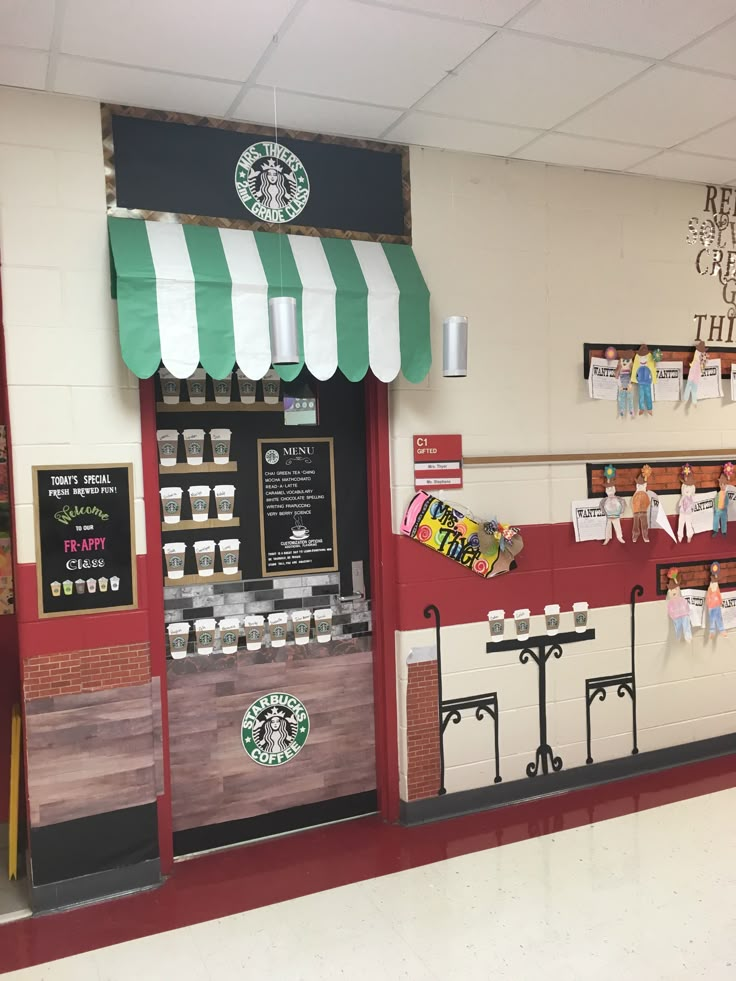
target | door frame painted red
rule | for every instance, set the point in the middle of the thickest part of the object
(383, 600)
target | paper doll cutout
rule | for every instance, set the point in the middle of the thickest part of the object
(677, 606)
(640, 503)
(698, 363)
(714, 603)
(625, 384)
(685, 504)
(612, 506)
(645, 376)
(720, 501)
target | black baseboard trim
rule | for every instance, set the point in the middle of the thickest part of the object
(577, 778)
(95, 887)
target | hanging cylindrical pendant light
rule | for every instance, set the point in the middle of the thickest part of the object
(282, 324)
(455, 347)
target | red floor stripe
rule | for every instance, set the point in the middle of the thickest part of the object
(280, 869)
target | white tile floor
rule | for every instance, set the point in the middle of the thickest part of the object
(650, 896)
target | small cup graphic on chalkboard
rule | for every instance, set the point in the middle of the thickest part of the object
(194, 446)
(91, 585)
(168, 446)
(299, 530)
(169, 387)
(115, 583)
(222, 388)
(103, 583)
(229, 555)
(56, 589)
(225, 501)
(80, 585)
(197, 386)
(199, 498)
(204, 553)
(221, 445)
(68, 587)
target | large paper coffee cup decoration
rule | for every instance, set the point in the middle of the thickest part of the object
(197, 386)
(246, 387)
(204, 632)
(175, 555)
(522, 620)
(277, 623)
(194, 446)
(168, 446)
(229, 634)
(170, 387)
(229, 555)
(253, 631)
(552, 618)
(271, 386)
(225, 501)
(301, 621)
(580, 615)
(204, 553)
(199, 498)
(496, 624)
(323, 625)
(220, 439)
(171, 504)
(178, 639)
(222, 387)
(487, 548)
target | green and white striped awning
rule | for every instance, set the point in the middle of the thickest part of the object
(190, 295)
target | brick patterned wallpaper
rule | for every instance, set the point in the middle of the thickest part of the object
(422, 731)
(666, 478)
(696, 575)
(86, 671)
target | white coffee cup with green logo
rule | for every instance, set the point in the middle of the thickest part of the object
(224, 501)
(253, 625)
(168, 446)
(175, 555)
(230, 555)
(522, 620)
(229, 634)
(580, 616)
(246, 387)
(197, 386)
(204, 553)
(220, 439)
(199, 499)
(170, 387)
(171, 504)
(271, 386)
(222, 388)
(277, 624)
(301, 621)
(204, 631)
(178, 639)
(323, 625)
(194, 446)
(496, 624)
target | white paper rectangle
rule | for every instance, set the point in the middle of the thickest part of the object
(709, 386)
(696, 601)
(588, 521)
(702, 512)
(658, 517)
(668, 387)
(729, 610)
(601, 381)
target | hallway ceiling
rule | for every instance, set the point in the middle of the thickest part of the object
(642, 86)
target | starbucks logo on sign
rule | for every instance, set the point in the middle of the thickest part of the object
(272, 457)
(274, 729)
(271, 182)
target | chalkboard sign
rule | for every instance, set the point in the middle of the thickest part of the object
(296, 478)
(85, 542)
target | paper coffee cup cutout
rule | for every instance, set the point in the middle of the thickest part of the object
(194, 446)
(222, 387)
(91, 585)
(220, 439)
(115, 583)
(80, 585)
(552, 618)
(170, 387)
(68, 587)
(102, 583)
(323, 625)
(230, 555)
(225, 501)
(246, 387)
(56, 589)
(168, 446)
(277, 628)
(229, 634)
(175, 555)
(197, 386)
(199, 499)
(580, 616)
(522, 620)
(204, 634)
(301, 620)
(253, 631)
(496, 624)
(171, 504)
(271, 386)
(204, 553)
(178, 639)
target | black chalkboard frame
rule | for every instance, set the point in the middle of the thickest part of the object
(43, 613)
(298, 570)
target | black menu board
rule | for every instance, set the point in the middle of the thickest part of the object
(85, 541)
(296, 479)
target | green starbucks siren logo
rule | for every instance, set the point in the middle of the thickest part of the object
(271, 182)
(274, 729)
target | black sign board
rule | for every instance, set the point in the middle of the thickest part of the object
(85, 541)
(209, 171)
(296, 480)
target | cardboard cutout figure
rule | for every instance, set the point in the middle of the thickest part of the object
(685, 504)
(714, 603)
(625, 384)
(698, 363)
(677, 606)
(720, 501)
(640, 504)
(645, 375)
(612, 506)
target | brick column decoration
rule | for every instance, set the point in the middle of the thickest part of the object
(86, 671)
(422, 727)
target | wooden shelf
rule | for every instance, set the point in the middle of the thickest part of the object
(593, 456)
(202, 468)
(220, 407)
(196, 525)
(203, 580)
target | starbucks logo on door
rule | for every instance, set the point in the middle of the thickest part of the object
(271, 182)
(274, 729)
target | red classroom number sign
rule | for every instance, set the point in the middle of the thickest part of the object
(438, 462)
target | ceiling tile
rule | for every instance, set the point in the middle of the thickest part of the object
(496, 12)
(684, 167)
(661, 108)
(138, 87)
(647, 27)
(27, 23)
(715, 52)
(529, 82)
(721, 142)
(315, 115)
(26, 69)
(367, 54)
(459, 134)
(219, 38)
(576, 151)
